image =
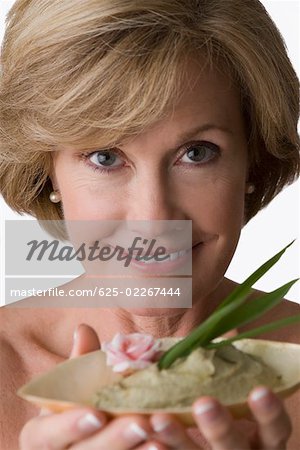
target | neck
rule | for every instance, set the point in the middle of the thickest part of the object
(160, 322)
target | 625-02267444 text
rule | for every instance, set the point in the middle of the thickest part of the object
(97, 291)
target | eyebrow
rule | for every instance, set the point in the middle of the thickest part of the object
(186, 135)
(205, 127)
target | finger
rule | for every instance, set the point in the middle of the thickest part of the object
(120, 434)
(171, 432)
(155, 445)
(57, 431)
(273, 422)
(217, 425)
(85, 340)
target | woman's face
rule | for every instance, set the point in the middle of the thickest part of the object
(190, 166)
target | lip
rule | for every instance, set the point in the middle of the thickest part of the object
(168, 251)
(165, 267)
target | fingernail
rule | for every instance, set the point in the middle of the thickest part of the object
(262, 396)
(135, 434)
(75, 335)
(206, 411)
(203, 408)
(89, 422)
(159, 425)
(45, 412)
(152, 447)
(259, 393)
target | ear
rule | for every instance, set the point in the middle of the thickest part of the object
(52, 174)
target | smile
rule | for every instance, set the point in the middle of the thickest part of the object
(174, 261)
(169, 257)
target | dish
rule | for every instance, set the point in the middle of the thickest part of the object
(75, 382)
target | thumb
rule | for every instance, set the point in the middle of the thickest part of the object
(85, 340)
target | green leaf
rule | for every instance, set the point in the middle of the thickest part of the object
(251, 310)
(232, 312)
(254, 277)
(243, 290)
(256, 331)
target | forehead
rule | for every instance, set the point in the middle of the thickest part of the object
(208, 97)
(208, 93)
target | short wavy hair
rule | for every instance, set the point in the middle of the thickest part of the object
(81, 72)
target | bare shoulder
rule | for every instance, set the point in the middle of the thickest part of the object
(10, 359)
(34, 337)
(18, 323)
(22, 357)
(12, 323)
(13, 374)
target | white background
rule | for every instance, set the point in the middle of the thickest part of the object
(272, 228)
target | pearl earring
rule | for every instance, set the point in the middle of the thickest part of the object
(250, 188)
(55, 197)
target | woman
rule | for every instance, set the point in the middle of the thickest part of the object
(149, 110)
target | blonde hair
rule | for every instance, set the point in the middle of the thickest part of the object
(82, 72)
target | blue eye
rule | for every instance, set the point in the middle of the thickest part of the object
(110, 161)
(103, 159)
(201, 152)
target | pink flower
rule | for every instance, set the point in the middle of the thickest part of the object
(130, 352)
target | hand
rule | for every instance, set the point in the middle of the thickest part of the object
(86, 428)
(272, 430)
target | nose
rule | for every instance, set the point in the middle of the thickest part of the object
(154, 209)
(156, 229)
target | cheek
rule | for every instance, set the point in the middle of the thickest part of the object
(220, 207)
(79, 188)
(220, 212)
(85, 201)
